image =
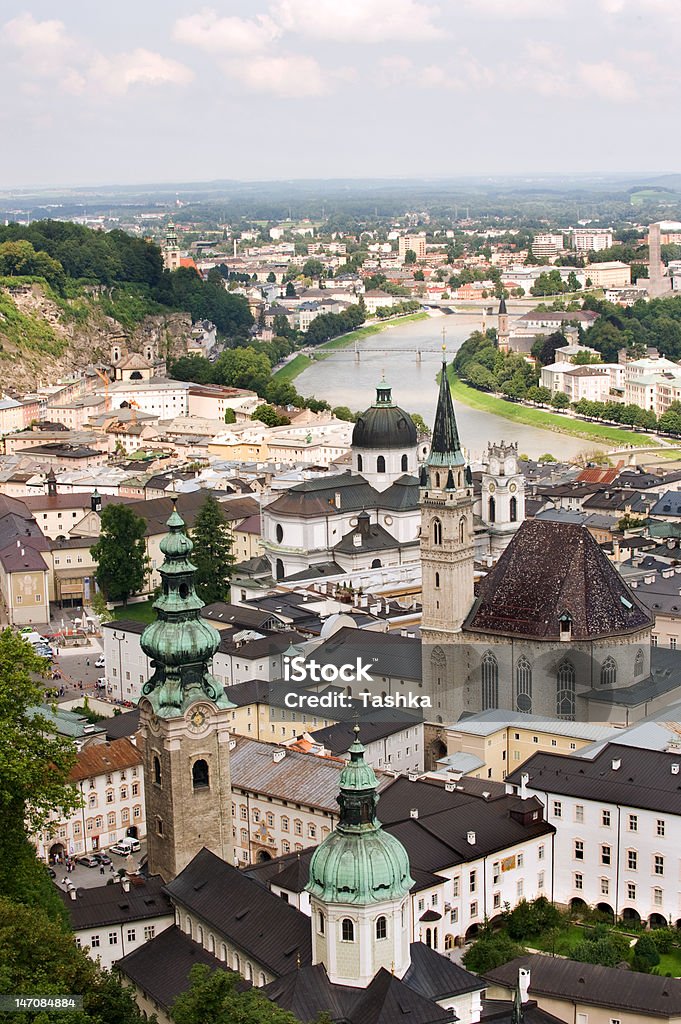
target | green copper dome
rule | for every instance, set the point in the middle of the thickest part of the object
(180, 643)
(359, 863)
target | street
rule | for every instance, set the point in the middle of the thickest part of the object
(89, 878)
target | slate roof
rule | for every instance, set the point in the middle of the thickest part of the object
(644, 779)
(318, 497)
(271, 931)
(402, 495)
(160, 968)
(110, 904)
(338, 738)
(668, 504)
(239, 615)
(550, 569)
(118, 726)
(435, 976)
(297, 777)
(392, 656)
(373, 537)
(569, 980)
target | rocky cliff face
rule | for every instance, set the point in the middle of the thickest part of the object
(41, 340)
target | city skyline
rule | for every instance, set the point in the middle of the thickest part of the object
(295, 89)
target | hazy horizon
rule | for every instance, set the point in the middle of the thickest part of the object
(163, 93)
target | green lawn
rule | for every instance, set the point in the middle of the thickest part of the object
(291, 370)
(540, 418)
(141, 611)
(670, 963)
(560, 943)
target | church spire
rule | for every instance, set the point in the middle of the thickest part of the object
(180, 643)
(445, 448)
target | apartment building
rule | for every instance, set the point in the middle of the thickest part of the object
(591, 239)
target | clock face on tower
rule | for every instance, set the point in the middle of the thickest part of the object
(492, 488)
(513, 487)
(198, 719)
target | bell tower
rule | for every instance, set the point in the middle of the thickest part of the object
(359, 887)
(184, 722)
(447, 547)
(502, 327)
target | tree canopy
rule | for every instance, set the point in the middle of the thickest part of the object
(120, 553)
(222, 998)
(212, 554)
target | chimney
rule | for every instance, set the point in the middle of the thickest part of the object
(524, 984)
(675, 768)
(73, 894)
(470, 838)
(414, 812)
(232, 744)
(278, 755)
(524, 779)
(125, 883)
(616, 764)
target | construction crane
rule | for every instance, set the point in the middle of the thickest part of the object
(107, 380)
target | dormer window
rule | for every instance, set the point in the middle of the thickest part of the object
(565, 626)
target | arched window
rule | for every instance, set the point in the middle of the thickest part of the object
(321, 923)
(437, 580)
(429, 937)
(404, 464)
(200, 774)
(565, 690)
(449, 942)
(279, 532)
(438, 665)
(237, 962)
(263, 979)
(347, 930)
(523, 686)
(437, 532)
(437, 479)
(514, 509)
(462, 529)
(279, 569)
(380, 464)
(199, 935)
(492, 507)
(638, 664)
(609, 672)
(360, 464)
(188, 928)
(249, 971)
(157, 770)
(223, 953)
(211, 944)
(376, 563)
(381, 928)
(490, 682)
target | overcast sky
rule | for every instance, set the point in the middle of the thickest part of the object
(166, 90)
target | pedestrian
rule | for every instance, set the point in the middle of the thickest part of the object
(80, 685)
(101, 869)
(87, 663)
(64, 880)
(111, 869)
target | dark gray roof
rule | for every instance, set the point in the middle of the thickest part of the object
(338, 738)
(308, 994)
(117, 726)
(110, 904)
(240, 615)
(669, 504)
(160, 968)
(549, 570)
(644, 778)
(402, 495)
(372, 537)
(273, 643)
(271, 931)
(384, 427)
(346, 492)
(437, 977)
(395, 656)
(571, 981)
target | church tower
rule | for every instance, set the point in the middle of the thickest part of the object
(384, 441)
(184, 722)
(447, 546)
(359, 887)
(502, 327)
(171, 249)
(503, 495)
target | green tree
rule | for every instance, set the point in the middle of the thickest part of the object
(546, 346)
(422, 427)
(341, 412)
(34, 770)
(290, 290)
(271, 277)
(586, 359)
(21, 259)
(646, 955)
(99, 607)
(212, 554)
(409, 257)
(268, 415)
(547, 457)
(419, 275)
(313, 268)
(243, 368)
(230, 416)
(221, 998)
(607, 950)
(490, 951)
(120, 553)
(560, 400)
(38, 956)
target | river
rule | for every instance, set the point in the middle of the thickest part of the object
(341, 380)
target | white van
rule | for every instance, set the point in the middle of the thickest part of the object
(125, 846)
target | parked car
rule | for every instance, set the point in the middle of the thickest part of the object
(125, 846)
(100, 662)
(90, 861)
(103, 858)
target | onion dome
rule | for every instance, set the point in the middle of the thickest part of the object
(359, 863)
(384, 425)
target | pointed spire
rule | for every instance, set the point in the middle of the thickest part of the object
(445, 448)
(517, 1015)
(502, 306)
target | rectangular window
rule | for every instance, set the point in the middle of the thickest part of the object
(131, 934)
(579, 880)
(243, 811)
(540, 880)
(659, 864)
(474, 909)
(521, 860)
(632, 860)
(497, 900)
(579, 812)
(557, 809)
(520, 889)
(579, 849)
(455, 886)
(657, 897)
(540, 852)
(113, 938)
(94, 941)
(496, 871)
(471, 881)
(422, 905)
(454, 915)
(605, 854)
(631, 891)
(605, 886)
(149, 931)
(660, 826)
(633, 823)
(605, 818)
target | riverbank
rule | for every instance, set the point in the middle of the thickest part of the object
(542, 419)
(301, 361)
